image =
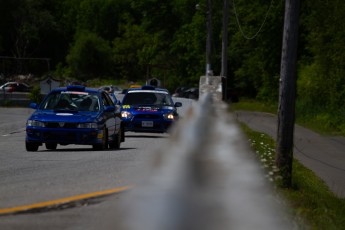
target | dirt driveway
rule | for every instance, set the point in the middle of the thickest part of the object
(324, 155)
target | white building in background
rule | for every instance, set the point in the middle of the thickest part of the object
(48, 84)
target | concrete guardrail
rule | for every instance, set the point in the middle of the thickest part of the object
(205, 178)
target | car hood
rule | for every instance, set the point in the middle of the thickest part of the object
(51, 116)
(150, 108)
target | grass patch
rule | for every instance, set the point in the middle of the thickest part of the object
(254, 105)
(310, 199)
(322, 122)
(319, 122)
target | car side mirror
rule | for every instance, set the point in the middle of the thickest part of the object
(118, 108)
(178, 104)
(33, 105)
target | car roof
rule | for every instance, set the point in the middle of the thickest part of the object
(11, 82)
(77, 88)
(148, 88)
(15, 82)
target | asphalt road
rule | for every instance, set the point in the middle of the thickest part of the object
(324, 155)
(28, 178)
(31, 178)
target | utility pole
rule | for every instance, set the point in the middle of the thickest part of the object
(287, 92)
(224, 70)
(208, 40)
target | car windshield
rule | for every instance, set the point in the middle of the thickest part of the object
(147, 98)
(68, 100)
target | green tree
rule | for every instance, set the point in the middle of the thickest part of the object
(90, 57)
(255, 47)
(326, 46)
(321, 80)
(189, 52)
(102, 17)
(30, 30)
(125, 52)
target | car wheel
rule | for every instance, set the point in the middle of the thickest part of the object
(122, 134)
(117, 140)
(104, 144)
(51, 146)
(31, 147)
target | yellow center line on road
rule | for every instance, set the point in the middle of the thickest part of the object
(63, 200)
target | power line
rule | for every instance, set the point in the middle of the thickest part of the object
(239, 24)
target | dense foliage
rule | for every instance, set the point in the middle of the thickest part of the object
(135, 40)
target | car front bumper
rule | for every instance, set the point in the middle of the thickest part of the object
(64, 136)
(151, 126)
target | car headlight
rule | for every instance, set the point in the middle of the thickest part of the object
(126, 114)
(87, 126)
(169, 116)
(35, 123)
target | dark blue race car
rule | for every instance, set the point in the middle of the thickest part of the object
(75, 115)
(148, 109)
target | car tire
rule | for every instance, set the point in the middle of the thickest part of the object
(51, 146)
(117, 140)
(122, 133)
(104, 144)
(31, 147)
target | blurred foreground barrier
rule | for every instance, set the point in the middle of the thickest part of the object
(206, 178)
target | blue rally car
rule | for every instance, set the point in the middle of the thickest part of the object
(148, 109)
(75, 115)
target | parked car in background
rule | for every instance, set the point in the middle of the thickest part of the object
(15, 87)
(148, 109)
(75, 115)
(135, 86)
(112, 88)
(124, 91)
(180, 90)
(192, 93)
(187, 92)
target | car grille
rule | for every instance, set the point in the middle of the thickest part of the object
(60, 136)
(155, 126)
(148, 116)
(65, 125)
